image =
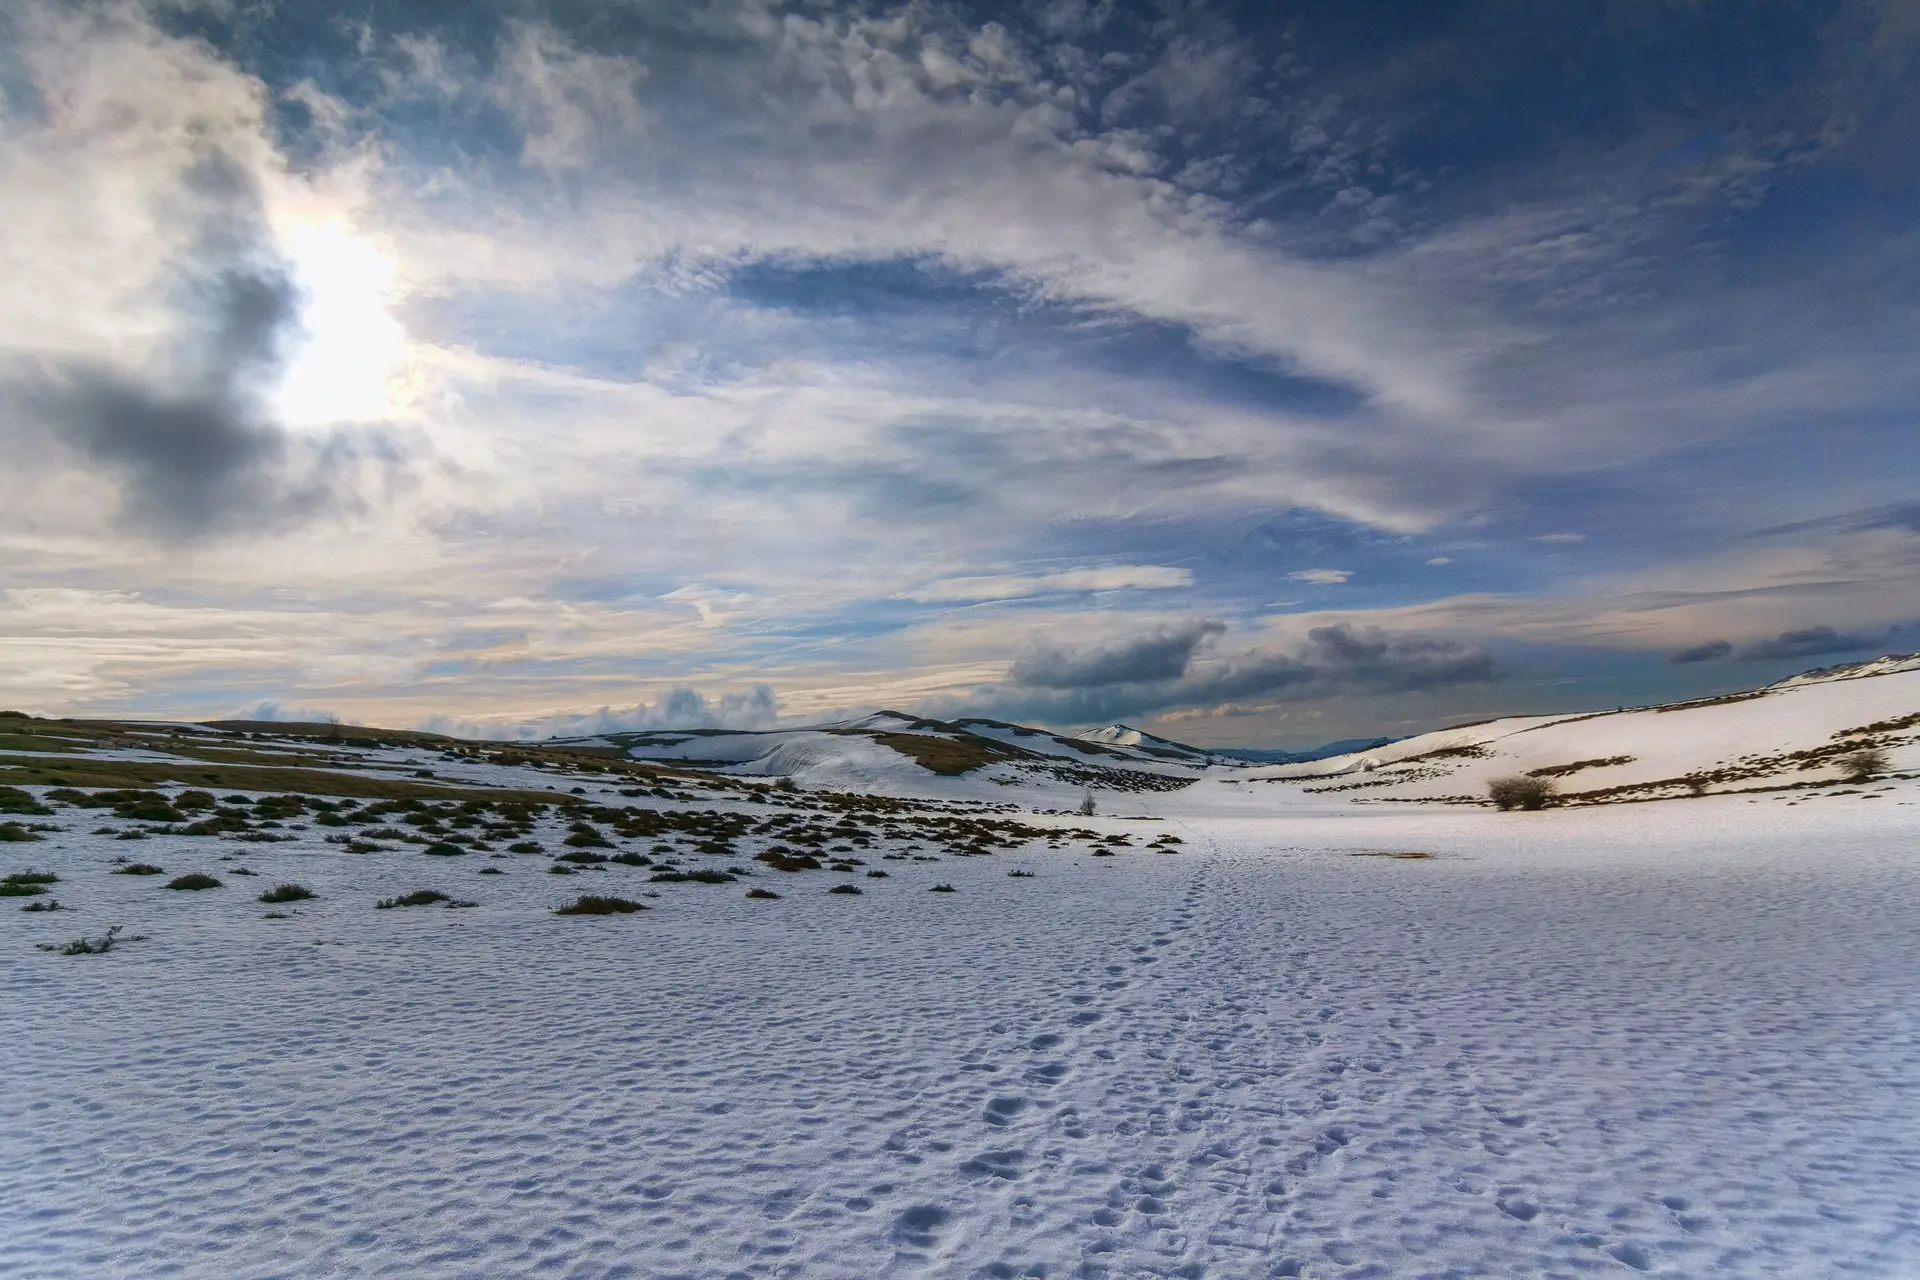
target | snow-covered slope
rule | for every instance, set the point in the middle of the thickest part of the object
(1795, 732)
(891, 753)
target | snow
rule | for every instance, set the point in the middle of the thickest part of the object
(1677, 1038)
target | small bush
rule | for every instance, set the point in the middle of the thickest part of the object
(525, 846)
(139, 869)
(1087, 807)
(589, 904)
(631, 859)
(942, 888)
(690, 877)
(286, 893)
(88, 946)
(1864, 765)
(14, 833)
(876, 874)
(193, 880)
(844, 888)
(562, 869)
(580, 857)
(1020, 875)
(445, 850)
(751, 893)
(14, 800)
(31, 877)
(491, 871)
(51, 904)
(365, 846)
(588, 839)
(418, 898)
(1521, 793)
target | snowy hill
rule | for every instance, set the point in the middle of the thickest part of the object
(896, 754)
(1791, 734)
(1120, 735)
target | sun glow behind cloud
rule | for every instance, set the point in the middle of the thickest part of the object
(346, 364)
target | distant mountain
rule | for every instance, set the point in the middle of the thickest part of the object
(1346, 746)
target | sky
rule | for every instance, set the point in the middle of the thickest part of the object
(1257, 374)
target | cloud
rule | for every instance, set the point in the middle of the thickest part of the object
(272, 709)
(1322, 577)
(1020, 586)
(1159, 655)
(1809, 643)
(679, 708)
(1160, 671)
(569, 103)
(1710, 651)
(181, 308)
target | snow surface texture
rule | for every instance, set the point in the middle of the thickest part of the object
(1674, 1038)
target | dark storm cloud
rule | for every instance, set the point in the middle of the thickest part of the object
(1159, 655)
(1061, 687)
(1711, 651)
(1810, 643)
(192, 444)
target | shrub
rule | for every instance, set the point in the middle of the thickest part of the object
(51, 904)
(418, 898)
(762, 893)
(942, 888)
(1018, 874)
(1864, 764)
(193, 880)
(632, 859)
(580, 857)
(1086, 805)
(589, 904)
(844, 888)
(138, 869)
(491, 871)
(286, 893)
(445, 850)
(88, 946)
(694, 877)
(14, 833)
(14, 800)
(26, 884)
(1521, 793)
(525, 846)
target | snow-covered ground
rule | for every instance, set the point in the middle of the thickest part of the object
(1680, 1038)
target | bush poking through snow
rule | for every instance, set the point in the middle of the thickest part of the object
(592, 904)
(90, 946)
(287, 893)
(843, 888)
(418, 898)
(14, 833)
(139, 869)
(50, 904)
(1521, 793)
(942, 888)
(26, 884)
(1864, 765)
(14, 800)
(1087, 806)
(768, 894)
(193, 880)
